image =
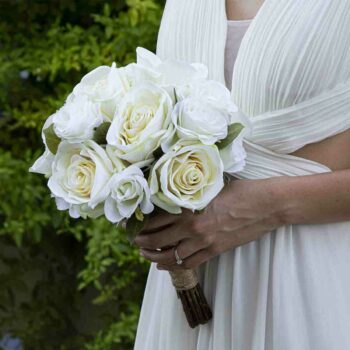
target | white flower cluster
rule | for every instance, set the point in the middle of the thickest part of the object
(153, 133)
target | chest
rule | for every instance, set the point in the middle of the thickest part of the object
(292, 52)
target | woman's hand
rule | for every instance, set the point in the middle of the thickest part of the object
(244, 211)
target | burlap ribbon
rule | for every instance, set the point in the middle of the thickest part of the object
(184, 279)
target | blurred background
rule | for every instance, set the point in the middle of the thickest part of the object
(64, 284)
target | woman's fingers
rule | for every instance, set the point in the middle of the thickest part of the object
(190, 262)
(185, 248)
(161, 239)
(166, 256)
(159, 221)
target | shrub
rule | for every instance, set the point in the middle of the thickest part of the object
(64, 284)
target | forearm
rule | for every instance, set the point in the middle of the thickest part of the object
(243, 212)
(312, 199)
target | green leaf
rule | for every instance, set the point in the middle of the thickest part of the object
(134, 227)
(233, 131)
(52, 140)
(101, 133)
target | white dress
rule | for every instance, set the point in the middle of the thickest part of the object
(289, 290)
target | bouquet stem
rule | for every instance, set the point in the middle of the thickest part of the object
(190, 292)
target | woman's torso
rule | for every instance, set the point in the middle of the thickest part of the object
(281, 68)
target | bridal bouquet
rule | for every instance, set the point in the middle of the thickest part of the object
(151, 134)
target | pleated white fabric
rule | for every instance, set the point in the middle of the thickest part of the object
(289, 290)
(195, 31)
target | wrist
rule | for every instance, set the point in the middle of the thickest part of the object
(279, 201)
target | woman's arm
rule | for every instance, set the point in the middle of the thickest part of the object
(244, 211)
(314, 199)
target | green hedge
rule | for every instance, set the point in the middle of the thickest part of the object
(64, 284)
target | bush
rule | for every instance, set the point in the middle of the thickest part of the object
(64, 284)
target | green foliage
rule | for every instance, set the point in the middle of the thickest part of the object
(101, 133)
(64, 284)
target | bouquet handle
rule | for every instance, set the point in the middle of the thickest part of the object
(185, 281)
(190, 292)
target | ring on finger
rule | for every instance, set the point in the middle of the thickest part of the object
(179, 261)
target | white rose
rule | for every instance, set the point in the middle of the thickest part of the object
(75, 121)
(233, 156)
(80, 210)
(43, 164)
(210, 91)
(118, 164)
(188, 176)
(128, 191)
(147, 58)
(218, 96)
(105, 86)
(195, 119)
(141, 123)
(80, 174)
(177, 73)
(136, 74)
(172, 72)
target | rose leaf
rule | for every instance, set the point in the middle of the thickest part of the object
(52, 140)
(233, 131)
(101, 133)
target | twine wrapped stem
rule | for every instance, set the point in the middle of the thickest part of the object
(190, 292)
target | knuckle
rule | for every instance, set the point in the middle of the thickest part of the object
(235, 213)
(207, 240)
(196, 227)
(149, 242)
